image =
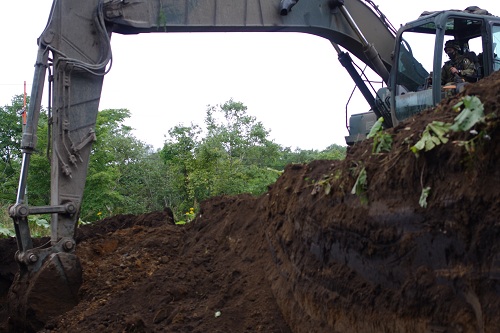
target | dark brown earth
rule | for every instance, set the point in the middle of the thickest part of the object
(309, 256)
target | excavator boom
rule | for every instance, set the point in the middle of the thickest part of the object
(318, 17)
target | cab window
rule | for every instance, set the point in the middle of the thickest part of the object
(496, 47)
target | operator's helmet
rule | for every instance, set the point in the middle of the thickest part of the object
(452, 44)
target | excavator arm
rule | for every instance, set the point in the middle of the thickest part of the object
(75, 52)
(350, 24)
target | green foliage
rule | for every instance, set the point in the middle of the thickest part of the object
(39, 171)
(188, 217)
(376, 128)
(5, 232)
(423, 196)
(10, 153)
(436, 132)
(9, 176)
(230, 154)
(39, 225)
(287, 156)
(471, 114)
(233, 156)
(145, 184)
(322, 186)
(10, 123)
(6, 225)
(116, 169)
(361, 184)
(382, 141)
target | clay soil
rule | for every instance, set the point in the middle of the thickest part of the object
(309, 256)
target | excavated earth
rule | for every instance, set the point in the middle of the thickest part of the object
(309, 256)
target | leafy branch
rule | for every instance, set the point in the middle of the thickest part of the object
(361, 185)
(423, 196)
(436, 133)
(472, 114)
(382, 141)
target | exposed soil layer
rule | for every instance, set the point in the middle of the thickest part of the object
(309, 256)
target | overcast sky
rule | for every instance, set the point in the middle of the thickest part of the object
(291, 82)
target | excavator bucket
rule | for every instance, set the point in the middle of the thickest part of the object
(35, 297)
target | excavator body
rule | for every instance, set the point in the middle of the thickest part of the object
(75, 54)
(415, 68)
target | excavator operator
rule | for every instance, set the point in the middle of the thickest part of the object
(458, 67)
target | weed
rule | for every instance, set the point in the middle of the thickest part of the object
(472, 113)
(190, 215)
(382, 141)
(322, 185)
(361, 185)
(39, 225)
(436, 133)
(423, 196)
(6, 232)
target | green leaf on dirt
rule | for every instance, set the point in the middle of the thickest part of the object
(375, 128)
(472, 113)
(423, 196)
(381, 141)
(328, 188)
(433, 135)
(360, 186)
(435, 132)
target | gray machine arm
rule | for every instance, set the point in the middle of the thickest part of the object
(75, 48)
(325, 18)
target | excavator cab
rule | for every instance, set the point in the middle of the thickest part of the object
(415, 82)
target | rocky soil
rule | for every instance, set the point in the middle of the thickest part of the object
(309, 256)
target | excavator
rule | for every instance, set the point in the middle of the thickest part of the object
(74, 55)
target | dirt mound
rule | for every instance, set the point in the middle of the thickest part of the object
(309, 256)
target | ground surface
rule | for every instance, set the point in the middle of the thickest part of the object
(309, 256)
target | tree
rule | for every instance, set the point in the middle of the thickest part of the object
(10, 148)
(10, 162)
(244, 150)
(332, 152)
(39, 169)
(114, 150)
(178, 154)
(10, 152)
(145, 184)
(10, 136)
(231, 154)
(239, 134)
(121, 170)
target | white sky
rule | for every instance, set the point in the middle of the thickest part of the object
(293, 83)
